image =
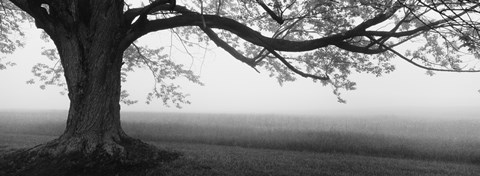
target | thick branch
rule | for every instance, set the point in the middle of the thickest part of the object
(357, 49)
(34, 9)
(251, 62)
(241, 30)
(190, 18)
(142, 12)
(210, 33)
(22, 4)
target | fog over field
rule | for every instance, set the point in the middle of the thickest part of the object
(447, 139)
(463, 127)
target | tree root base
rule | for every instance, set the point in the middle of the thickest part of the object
(138, 158)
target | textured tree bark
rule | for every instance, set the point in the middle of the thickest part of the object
(92, 71)
(87, 45)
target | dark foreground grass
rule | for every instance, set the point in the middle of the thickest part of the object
(217, 160)
(261, 132)
(224, 160)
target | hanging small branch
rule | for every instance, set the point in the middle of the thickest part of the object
(201, 13)
(270, 12)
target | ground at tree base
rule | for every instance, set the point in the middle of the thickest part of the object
(141, 159)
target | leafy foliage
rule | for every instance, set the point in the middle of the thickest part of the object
(444, 47)
(163, 70)
(47, 74)
(358, 36)
(10, 31)
(306, 20)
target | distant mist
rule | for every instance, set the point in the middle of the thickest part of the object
(446, 139)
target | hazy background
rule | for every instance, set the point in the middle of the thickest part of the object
(233, 87)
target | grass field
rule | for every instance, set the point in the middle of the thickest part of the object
(220, 144)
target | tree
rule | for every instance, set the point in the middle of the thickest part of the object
(324, 40)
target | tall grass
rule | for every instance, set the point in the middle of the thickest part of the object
(451, 140)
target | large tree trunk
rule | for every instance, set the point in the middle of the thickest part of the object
(92, 64)
(92, 71)
(88, 47)
(87, 37)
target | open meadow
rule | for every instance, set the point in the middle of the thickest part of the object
(227, 144)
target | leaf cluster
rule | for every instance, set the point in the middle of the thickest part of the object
(10, 30)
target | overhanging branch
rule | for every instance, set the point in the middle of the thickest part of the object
(241, 30)
(209, 22)
(190, 18)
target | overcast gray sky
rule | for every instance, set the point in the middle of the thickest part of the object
(233, 87)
